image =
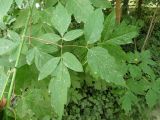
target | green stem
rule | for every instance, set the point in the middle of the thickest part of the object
(17, 60)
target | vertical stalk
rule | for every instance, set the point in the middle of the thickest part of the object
(118, 11)
(17, 60)
(150, 29)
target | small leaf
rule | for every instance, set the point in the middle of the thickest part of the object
(72, 35)
(41, 58)
(94, 26)
(127, 101)
(6, 46)
(81, 9)
(50, 37)
(30, 56)
(72, 62)
(109, 25)
(48, 68)
(123, 34)
(101, 3)
(104, 65)
(135, 71)
(61, 19)
(58, 87)
(151, 98)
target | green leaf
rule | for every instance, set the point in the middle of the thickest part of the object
(61, 19)
(138, 87)
(19, 2)
(101, 3)
(104, 65)
(3, 83)
(4, 7)
(33, 104)
(127, 101)
(13, 36)
(81, 9)
(109, 25)
(30, 56)
(72, 62)
(123, 34)
(73, 34)
(151, 98)
(94, 26)
(50, 3)
(148, 70)
(6, 46)
(135, 71)
(48, 68)
(50, 37)
(41, 58)
(58, 88)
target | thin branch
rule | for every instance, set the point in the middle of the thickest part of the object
(17, 60)
(75, 46)
(150, 29)
(43, 40)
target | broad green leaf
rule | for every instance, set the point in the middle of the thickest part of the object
(101, 3)
(3, 83)
(104, 65)
(128, 100)
(109, 25)
(72, 62)
(94, 26)
(61, 19)
(72, 35)
(50, 37)
(58, 88)
(81, 9)
(4, 7)
(123, 34)
(48, 68)
(151, 98)
(6, 46)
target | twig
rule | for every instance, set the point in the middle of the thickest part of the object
(150, 29)
(44, 41)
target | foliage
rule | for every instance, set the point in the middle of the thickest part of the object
(63, 46)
